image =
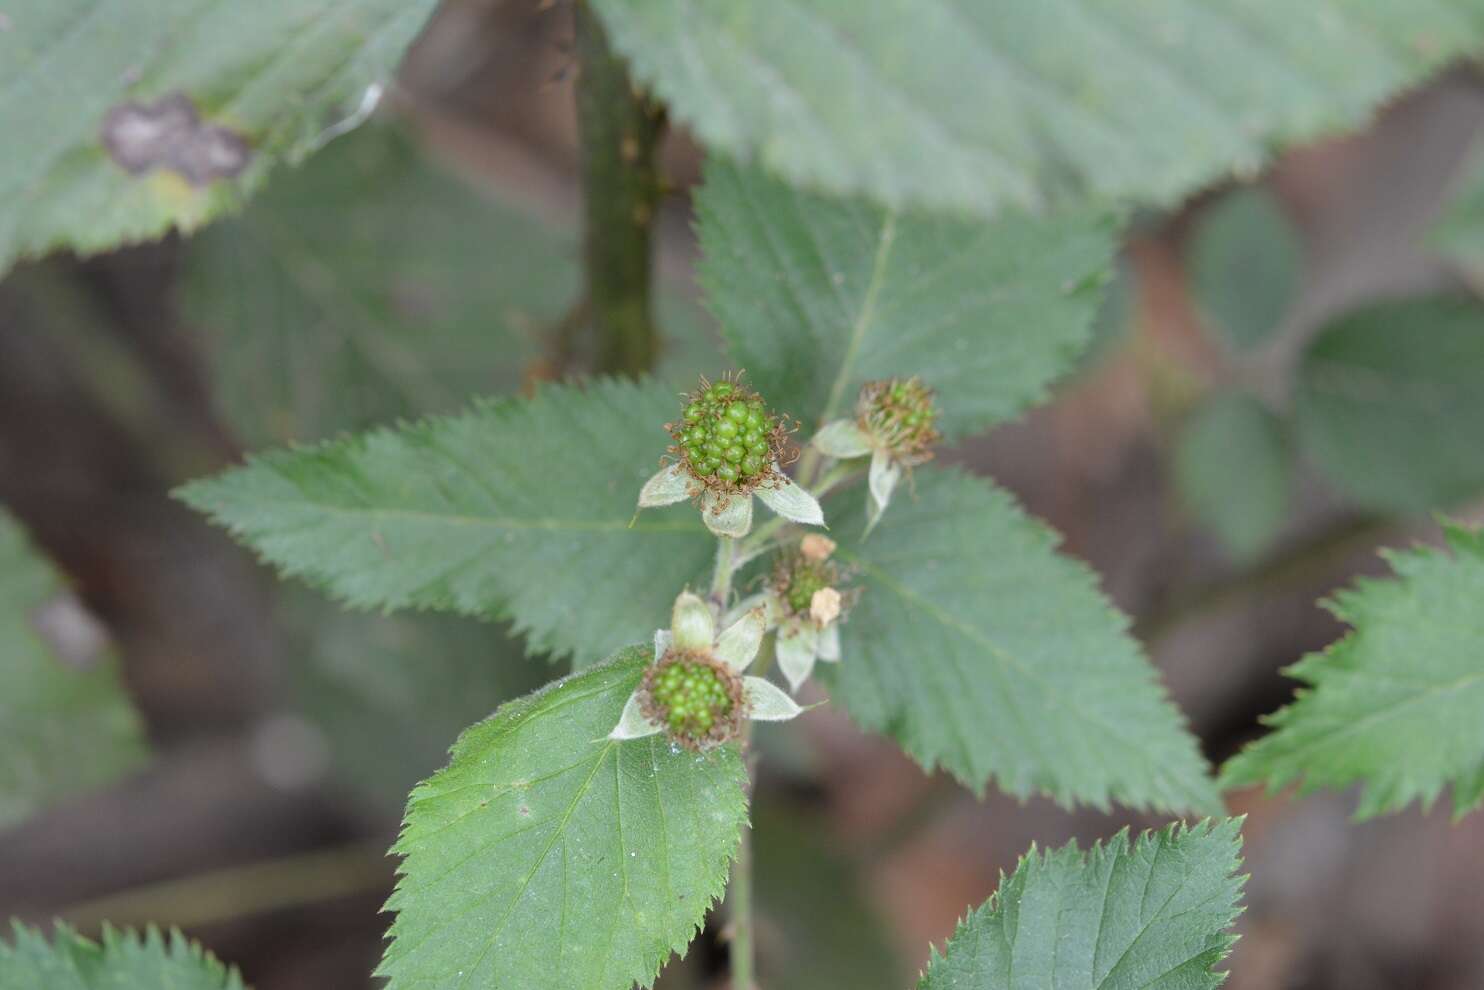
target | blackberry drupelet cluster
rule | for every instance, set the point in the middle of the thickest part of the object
(726, 438)
(900, 414)
(697, 698)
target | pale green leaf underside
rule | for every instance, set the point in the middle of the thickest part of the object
(817, 296)
(978, 105)
(1387, 403)
(1146, 915)
(982, 650)
(518, 509)
(1398, 704)
(66, 725)
(123, 961)
(277, 73)
(547, 855)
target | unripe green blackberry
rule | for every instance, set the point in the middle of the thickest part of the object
(726, 438)
(796, 578)
(900, 413)
(696, 697)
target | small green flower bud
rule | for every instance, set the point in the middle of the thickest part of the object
(798, 575)
(899, 415)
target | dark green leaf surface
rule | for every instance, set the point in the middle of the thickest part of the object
(66, 725)
(1244, 259)
(1233, 472)
(817, 296)
(1146, 915)
(1389, 407)
(370, 285)
(1398, 704)
(275, 75)
(547, 855)
(518, 509)
(124, 961)
(982, 650)
(978, 105)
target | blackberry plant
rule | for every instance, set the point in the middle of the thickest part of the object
(904, 241)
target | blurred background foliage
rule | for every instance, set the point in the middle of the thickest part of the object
(1286, 374)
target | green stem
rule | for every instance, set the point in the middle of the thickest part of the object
(620, 131)
(756, 541)
(726, 566)
(739, 901)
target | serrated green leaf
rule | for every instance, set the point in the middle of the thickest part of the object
(981, 650)
(1233, 472)
(373, 284)
(1146, 915)
(366, 286)
(1388, 404)
(266, 80)
(547, 855)
(458, 514)
(817, 296)
(974, 105)
(124, 961)
(1459, 232)
(1244, 260)
(66, 725)
(1397, 705)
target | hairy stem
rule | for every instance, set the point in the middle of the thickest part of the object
(620, 129)
(726, 566)
(757, 541)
